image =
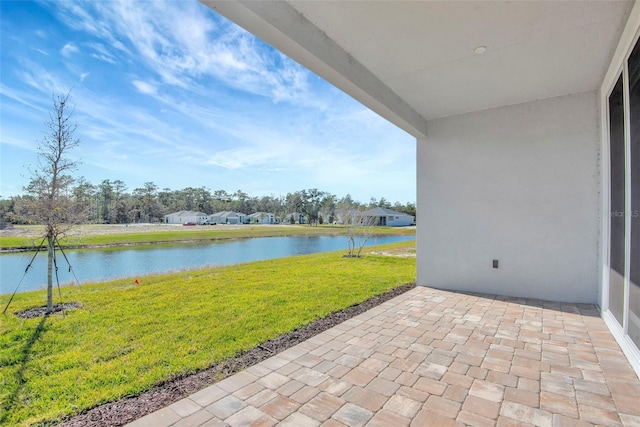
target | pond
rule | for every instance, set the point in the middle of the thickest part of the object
(93, 265)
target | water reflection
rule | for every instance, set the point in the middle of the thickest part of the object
(100, 264)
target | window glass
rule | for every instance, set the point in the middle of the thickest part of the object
(634, 130)
(617, 194)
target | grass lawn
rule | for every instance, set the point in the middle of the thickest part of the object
(127, 338)
(100, 235)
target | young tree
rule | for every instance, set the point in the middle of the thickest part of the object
(359, 227)
(50, 183)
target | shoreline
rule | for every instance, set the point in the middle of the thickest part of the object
(201, 234)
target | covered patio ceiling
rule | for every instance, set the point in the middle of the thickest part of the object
(413, 61)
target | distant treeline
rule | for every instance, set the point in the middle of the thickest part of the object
(110, 202)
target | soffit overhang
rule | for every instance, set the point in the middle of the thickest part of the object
(414, 61)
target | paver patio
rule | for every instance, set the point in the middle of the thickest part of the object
(432, 357)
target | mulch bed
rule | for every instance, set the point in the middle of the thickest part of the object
(131, 408)
(41, 311)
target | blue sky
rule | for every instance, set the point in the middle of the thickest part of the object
(173, 93)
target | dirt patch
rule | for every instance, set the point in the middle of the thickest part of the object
(14, 231)
(131, 408)
(41, 311)
(396, 254)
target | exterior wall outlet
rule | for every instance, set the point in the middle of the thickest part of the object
(495, 263)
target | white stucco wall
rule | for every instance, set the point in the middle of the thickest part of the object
(186, 216)
(519, 184)
(399, 220)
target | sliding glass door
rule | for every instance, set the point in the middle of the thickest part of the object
(624, 198)
(633, 329)
(617, 208)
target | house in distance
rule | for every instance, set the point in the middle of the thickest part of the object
(186, 217)
(227, 217)
(260, 218)
(388, 217)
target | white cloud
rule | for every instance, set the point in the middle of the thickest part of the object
(101, 53)
(252, 156)
(200, 115)
(104, 58)
(34, 75)
(33, 104)
(23, 143)
(69, 49)
(144, 87)
(181, 42)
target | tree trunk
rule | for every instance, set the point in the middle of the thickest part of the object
(352, 245)
(362, 243)
(50, 249)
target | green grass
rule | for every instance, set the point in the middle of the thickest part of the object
(129, 337)
(84, 236)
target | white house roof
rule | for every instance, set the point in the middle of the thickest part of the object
(259, 214)
(383, 212)
(413, 61)
(187, 213)
(227, 214)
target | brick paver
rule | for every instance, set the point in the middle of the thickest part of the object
(431, 357)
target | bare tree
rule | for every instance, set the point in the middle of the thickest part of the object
(360, 227)
(50, 183)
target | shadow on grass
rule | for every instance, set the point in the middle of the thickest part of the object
(20, 380)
